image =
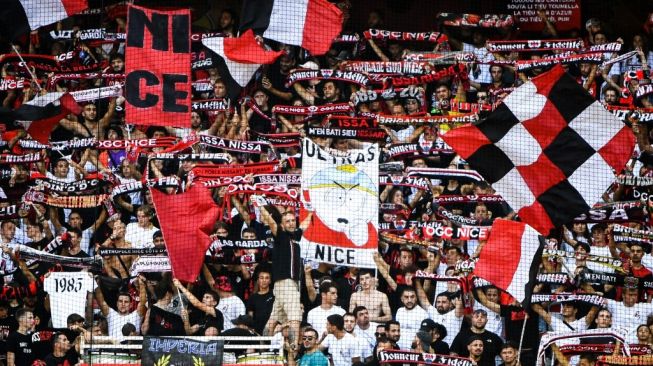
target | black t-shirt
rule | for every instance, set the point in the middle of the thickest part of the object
(206, 320)
(164, 323)
(440, 347)
(286, 257)
(261, 306)
(278, 82)
(346, 286)
(491, 344)
(21, 346)
(52, 360)
(514, 323)
(7, 325)
(259, 123)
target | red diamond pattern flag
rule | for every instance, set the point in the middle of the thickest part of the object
(549, 149)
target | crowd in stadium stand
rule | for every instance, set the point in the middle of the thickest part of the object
(321, 313)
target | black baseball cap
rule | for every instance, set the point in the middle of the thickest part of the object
(427, 325)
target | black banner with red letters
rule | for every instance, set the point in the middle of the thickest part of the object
(157, 67)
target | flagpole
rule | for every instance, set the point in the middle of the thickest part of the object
(38, 87)
(521, 337)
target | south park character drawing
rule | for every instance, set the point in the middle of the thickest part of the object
(345, 202)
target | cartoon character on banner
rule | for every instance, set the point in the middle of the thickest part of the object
(344, 198)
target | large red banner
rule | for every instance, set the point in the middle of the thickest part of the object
(157, 67)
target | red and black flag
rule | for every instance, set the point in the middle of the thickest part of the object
(158, 67)
(311, 24)
(186, 240)
(239, 59)
(21, 16)
(549, 149)
(510, 259)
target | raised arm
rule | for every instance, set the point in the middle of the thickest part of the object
(106, 119)
(384, 270)
(268, 220)
(194, 300)
(421, 296)
(480, 294)
(99, 297)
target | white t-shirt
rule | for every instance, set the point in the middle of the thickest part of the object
(367, 338)
(342, 350)
(449, 320)
(231, 308)
(482, 55)
(317, 317)
(140, 237)
(409, 321)
(116, 321)
(629, 317)
(67, 292)
(558, 325)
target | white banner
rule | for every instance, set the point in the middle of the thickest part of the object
(343, 193)
(98, 93)
(155, 263)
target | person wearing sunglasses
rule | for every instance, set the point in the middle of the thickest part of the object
(312, 355)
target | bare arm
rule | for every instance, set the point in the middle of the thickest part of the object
(99, 296)
(378, 50)
(267, 85)
(308, 281)
(74, 126)
(547, 23)
(193, 300)
(384, 270)
(487, 303)
(146, 323)
(387, 312)
(304, 94)
(421, 296)
(244, 214)
(307, 221)
(106, 119)
(269, 220)
(142, 294)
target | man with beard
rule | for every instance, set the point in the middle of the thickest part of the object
(410, 317)
(446, 312)
(475, 348)
(312, 355)
(364, 329)
(491, 342)
(393, 332)
(90, 125)
(330, 93)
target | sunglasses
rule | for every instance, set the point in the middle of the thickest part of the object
(377, 334)
(308, 338)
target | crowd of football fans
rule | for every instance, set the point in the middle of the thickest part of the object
(343, 315)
